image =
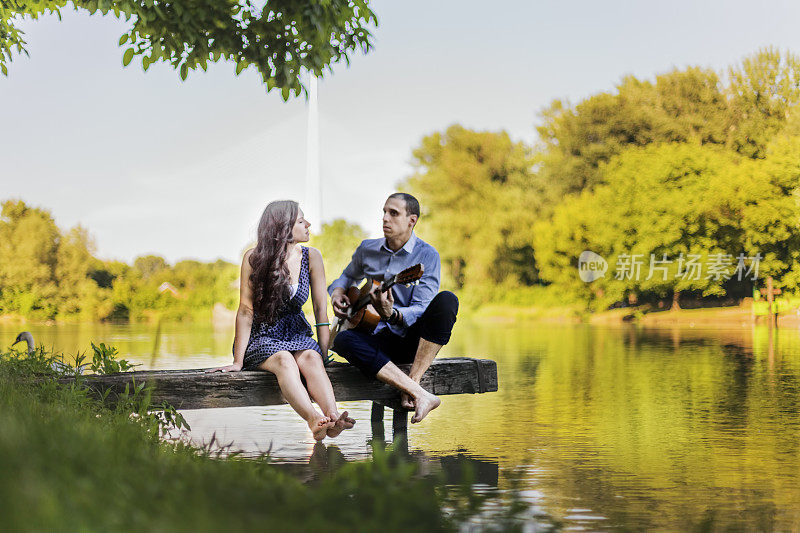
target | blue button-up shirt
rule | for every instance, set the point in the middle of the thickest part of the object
(375, 260)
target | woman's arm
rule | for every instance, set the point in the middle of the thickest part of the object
(319, 297)
(244, 318)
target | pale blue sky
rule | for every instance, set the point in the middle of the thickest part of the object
(150, 164)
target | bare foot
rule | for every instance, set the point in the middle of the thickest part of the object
(424, 405)
(406, 401)
(319, 427)
(340, 424)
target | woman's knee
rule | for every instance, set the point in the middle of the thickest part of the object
(309, 359)
(280, 361)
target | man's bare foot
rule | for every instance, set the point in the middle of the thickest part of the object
(340, 424)
(320, 426)
(424, 405)
(406, 401)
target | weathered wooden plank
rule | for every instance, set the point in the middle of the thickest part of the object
(196, 389)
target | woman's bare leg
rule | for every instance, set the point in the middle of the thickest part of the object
(285, 368)
(321, 390)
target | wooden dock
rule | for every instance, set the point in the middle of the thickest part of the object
(197, 389)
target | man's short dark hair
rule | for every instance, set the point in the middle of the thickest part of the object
(412, 204)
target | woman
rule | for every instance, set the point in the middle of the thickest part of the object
(272, 332)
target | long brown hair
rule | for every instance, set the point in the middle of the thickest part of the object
(270, 277)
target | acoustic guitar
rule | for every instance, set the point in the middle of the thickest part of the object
(361, 315)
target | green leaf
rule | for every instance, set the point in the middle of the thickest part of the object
(285, 93)
(240, 66)
(127, 57)
(123, 39)
(4, 69)
(184, 71)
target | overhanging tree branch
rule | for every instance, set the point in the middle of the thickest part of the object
(282, 39)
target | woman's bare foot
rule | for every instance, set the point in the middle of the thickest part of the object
(423, 405)
(341, 423)
(320, 426)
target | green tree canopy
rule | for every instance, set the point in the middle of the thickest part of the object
(479, 200)
(336, 242)
(48, 273)
(29, 240)
(280, 38)
(691, 106)
(763, 90)
(680, 106)
(150, 265)
(671, 201)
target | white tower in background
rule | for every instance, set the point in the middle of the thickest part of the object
(312, 207)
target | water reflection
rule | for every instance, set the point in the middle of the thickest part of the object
(451, 469)
(602, 427)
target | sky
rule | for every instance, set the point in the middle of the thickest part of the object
(153, 165)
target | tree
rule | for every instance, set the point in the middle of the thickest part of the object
(763, 90)
(150, 265)
(78, 291)
(29, 240)
(47, 273)
(681, 106)
(664, 202)
(769, 196)
(693, 106)
(479, 199)
(336, 242)
(281, 40)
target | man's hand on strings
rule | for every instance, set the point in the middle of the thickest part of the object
(383, 302)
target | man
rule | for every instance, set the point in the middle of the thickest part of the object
(415, 321)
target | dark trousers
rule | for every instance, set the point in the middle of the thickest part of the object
(371, 352)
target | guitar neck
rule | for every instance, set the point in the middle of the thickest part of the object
(364, 300)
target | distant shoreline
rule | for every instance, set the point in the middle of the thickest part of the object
(505, 314)
(737, 315)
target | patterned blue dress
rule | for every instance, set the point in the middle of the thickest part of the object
(291, 331)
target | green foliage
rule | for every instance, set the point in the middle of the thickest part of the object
(149, 265)
(104, 360)
(47, 273)
(678, 107)
(281, 40)
(336, 242)
(762, 92)
(673, 200)
(690, 106)
(685, 164)
(70, 462)
(479, 199)
(29, 252)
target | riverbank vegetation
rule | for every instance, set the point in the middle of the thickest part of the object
(71, 462)
(49, 273)
(694, 164)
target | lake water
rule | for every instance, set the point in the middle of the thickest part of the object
(596, 427)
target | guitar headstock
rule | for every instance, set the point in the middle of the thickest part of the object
(410, 276)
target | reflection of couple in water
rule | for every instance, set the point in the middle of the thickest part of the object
(273, 334)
